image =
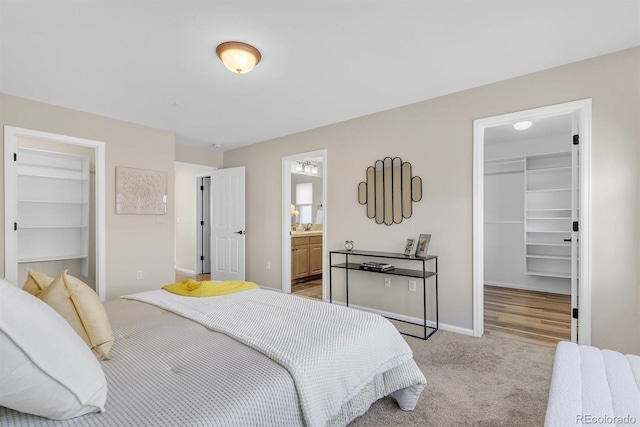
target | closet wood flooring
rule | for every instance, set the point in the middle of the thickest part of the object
(528, 316)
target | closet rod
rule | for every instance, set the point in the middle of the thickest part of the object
(501, 173)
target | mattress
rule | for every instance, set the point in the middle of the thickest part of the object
(590, 386)
(166, 370)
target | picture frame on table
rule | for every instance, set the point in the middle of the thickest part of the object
(422, 247)
(408, 247)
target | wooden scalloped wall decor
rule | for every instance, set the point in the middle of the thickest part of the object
(389, 190)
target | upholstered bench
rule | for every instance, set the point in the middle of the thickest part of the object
(590, 386)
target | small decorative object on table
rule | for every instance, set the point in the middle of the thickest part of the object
(423, 245)
(408, 247)
(376, 266)
(348, 245)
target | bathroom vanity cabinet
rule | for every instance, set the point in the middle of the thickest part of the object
(306, 257)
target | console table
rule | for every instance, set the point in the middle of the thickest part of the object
(421, 273)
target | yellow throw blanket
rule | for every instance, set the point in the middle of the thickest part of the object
(191, 288)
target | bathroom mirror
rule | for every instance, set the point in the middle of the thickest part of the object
(389, 190)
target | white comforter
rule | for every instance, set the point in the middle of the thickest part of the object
(332, 352)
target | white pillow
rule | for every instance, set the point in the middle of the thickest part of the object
(46, 369)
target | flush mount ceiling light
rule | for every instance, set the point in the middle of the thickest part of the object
(238, 57)
(522, 125)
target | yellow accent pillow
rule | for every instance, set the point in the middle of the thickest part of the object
(36, 282)
(81, 307)
(191, 288)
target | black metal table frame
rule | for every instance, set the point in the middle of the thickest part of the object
(424, 275)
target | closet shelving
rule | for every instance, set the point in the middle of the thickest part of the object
(548, 193)
(53, 206)
(547, 210)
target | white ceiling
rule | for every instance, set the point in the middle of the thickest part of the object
(540, 128)
(322, 61)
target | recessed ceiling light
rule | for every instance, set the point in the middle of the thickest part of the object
(522, 125)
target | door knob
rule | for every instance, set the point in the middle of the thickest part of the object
(239, 232)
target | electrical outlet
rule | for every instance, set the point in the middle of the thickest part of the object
(387, 282)
(268, 265)
(139, 274)
(412, 285)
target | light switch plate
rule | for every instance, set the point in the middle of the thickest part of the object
(387, 282)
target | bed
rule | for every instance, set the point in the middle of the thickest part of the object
(590, 386)
(252, 358)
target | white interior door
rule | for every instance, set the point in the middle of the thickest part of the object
(206, 227)
(575, 223)
(227, 224)
(203, 225)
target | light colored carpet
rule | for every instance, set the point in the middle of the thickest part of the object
(488, 381)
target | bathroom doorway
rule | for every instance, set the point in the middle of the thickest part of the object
(304, 224)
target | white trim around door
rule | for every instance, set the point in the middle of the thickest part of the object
(287, 161)
(582, 109)
(11, 135)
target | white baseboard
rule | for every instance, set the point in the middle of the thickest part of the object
(456, 329)
(430, 323)
(184, 270)
(524, 287)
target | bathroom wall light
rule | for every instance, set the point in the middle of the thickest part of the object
(522, 125)
(238, 57)
(306, 167)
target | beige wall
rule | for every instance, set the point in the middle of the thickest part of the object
(199, 156)
(436, 137)
(133, 242)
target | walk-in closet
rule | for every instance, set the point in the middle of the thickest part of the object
(530, 206)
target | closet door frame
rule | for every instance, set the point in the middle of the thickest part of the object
(581, 108)
(11, 135)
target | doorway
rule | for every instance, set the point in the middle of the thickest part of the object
(54, 192)
(532, 224)
(210, 222)
(304, 224)
(193, 219)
